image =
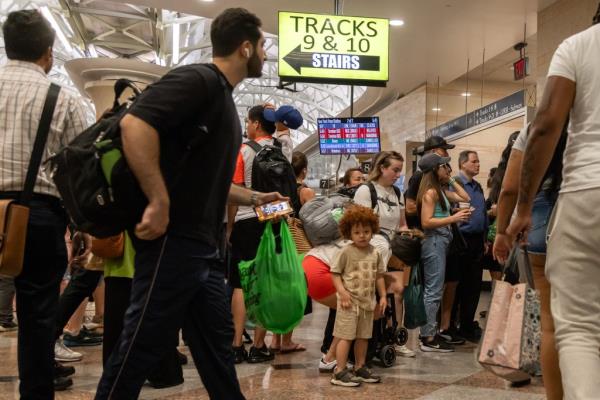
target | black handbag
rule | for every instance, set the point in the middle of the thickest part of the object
(458, 245)
(407, 248)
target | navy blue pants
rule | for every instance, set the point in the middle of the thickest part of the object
(175, 286)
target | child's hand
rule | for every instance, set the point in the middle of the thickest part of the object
(345, 300)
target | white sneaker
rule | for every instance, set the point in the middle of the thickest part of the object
(63, 354)
(326, 366)
(404, 351)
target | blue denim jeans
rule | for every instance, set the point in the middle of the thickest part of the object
(433, 257)
(540, 215)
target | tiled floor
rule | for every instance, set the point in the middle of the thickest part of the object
(295, 376)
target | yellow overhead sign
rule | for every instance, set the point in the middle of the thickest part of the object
(334, 48)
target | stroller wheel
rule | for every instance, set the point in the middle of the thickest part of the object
(387, 355)
(401, 336)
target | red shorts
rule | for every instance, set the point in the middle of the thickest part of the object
(318, 278)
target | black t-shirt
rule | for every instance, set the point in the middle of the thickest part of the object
(193, 111)
(413, 221)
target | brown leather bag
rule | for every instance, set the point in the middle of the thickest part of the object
(13, 235)
(110, 247)
(14, 213)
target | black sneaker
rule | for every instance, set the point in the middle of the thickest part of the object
(61, 371)
(472, 333)
(81, 339)
(364, 374)
(344, 378)
(62, 384)
(436, 346)
(8, 326)
(451, 337)
(263, 354)
(240, 354)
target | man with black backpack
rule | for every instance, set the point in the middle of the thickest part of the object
(181, 138)
(38, 118)
(261, 165)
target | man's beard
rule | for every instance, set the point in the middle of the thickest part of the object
(254, 66)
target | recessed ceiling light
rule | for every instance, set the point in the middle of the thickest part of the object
(466, 94)
(396, 22)
(208, 1)
(436, 109)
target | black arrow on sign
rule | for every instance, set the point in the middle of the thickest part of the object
(298, 59)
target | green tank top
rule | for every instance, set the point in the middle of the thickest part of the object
(438, 212)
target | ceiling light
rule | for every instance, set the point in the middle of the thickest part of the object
(436, 109)
(396, 22)
(59, 32)
(175, 52)
(466, 94)
(208, 1)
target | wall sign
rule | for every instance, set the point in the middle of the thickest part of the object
(498, 109)
(333, 48)
(521, 68)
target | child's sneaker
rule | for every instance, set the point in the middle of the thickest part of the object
(364, 374)
(325, 366)
(344, 378)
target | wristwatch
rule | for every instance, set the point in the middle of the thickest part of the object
(451, 181)
(254, 199)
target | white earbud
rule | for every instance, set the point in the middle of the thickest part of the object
(247, 52)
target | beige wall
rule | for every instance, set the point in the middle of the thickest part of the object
(403, 122)
(562, 19)
(488, 143)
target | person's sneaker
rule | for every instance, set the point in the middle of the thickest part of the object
(344, 378)
(62, 384)
(364, 374)
(81, 339)
(61, 371)
(404, 351)
(97, 332)
(325, 366)
(8, 326)
(451, 337)
(263, 354)
(63, 354)
(240, 354)
(436, 345)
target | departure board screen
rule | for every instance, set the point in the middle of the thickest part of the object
(349, 135)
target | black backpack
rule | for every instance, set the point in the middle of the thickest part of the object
(97, 187)
(373, 193)
(272, 172)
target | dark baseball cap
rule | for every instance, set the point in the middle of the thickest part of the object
(430, 161)
(287, 115)
(436, 142)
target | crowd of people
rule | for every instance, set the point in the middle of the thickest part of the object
(176, 271)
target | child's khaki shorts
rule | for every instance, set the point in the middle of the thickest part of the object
(354, 323)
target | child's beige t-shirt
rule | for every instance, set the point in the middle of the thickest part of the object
(359, 269)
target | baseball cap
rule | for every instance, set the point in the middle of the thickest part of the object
(287, 115)
(431, 161)
(436, 142)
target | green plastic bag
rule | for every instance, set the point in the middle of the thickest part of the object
(414, 305)
(274, 286)
(491, 236)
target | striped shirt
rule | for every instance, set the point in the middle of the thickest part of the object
(23, 89)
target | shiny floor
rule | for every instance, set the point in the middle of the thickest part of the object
(295, 376)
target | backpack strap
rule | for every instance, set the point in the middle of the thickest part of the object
(373, 192)
(398, 194)
(254, 146)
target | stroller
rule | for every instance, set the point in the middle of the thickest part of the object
(387, 334)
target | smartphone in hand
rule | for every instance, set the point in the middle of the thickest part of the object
(273, 210)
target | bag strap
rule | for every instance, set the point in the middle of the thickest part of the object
(525, 267)
(41, 138)
(254, 146)
(373, 192)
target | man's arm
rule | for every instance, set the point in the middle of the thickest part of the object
(141, 146)
(543, 137)
(242, 196)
